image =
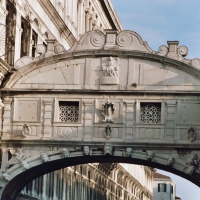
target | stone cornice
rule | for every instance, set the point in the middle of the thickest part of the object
(58, 21)
(4, 67)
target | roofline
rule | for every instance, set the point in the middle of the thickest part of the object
(111, 14)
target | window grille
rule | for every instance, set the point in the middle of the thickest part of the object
(69, 111)
(150, 112)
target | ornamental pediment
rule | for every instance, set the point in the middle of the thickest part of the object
(107, 61)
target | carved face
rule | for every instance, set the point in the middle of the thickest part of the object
(44, 157)
(65, 153)
(86, 150)
(128, 151)
(170, 161)
(108, 149)
(190, 170)
(150, 155)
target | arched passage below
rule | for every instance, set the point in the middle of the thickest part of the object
(13, 188)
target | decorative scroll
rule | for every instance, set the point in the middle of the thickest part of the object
(150, 112)
(69, 111)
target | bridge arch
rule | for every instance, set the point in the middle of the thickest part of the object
(43, 163)
(111, 80)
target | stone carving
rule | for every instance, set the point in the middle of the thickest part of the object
(110, 72)
(108, 112)
(170, 161)
(6, 177)
(129, 152)
(111, 68)
(97, 40)
(183, 51)
(108, 150)
(124, 39)
(65, 153)
(18, 158)
(44, 157)
(41, 49)
(86, 150)
(59, 49)
(194, 165)
(26, 130)
(163, 50)
(26, 60)
(196, 63)
(108, 131)
(191, 134)
(150, 155)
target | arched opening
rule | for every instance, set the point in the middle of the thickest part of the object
(13, 188)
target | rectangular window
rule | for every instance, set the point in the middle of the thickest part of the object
(68, 111)
(25, 37)
(162, 187)
(172, 189)
(150, 113)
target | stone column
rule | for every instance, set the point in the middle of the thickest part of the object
(88, 120)
(48, 109)
(80, 18)
(170, 122)
(1, 115)
(130, 120)
(18, 33)
(7, 118)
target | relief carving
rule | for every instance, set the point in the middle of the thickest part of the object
(44, 157)
(194, 165)
(26, 130)
(191, 134)
(86, 150)
(65, 153)
(170, 161)
(18, 158)
(108, 131)
(108, 112)
(108, 150)
(129, 152)
(150, 155)
(110, 72)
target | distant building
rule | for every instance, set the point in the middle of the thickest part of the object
(163, 188)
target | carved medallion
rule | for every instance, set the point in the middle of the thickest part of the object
(108, 112)
(26, 130)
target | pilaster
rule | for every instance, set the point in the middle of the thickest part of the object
(88, 119)
(7, 118)
(170, 121)
(48, 110)
(130, 120)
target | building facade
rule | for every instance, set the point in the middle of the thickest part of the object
(163, 187)
(99, 181)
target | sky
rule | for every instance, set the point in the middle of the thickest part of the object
(159, 21)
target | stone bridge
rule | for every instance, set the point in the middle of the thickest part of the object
(110, 98)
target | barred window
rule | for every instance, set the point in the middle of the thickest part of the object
(150, 112)
(69, 111)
